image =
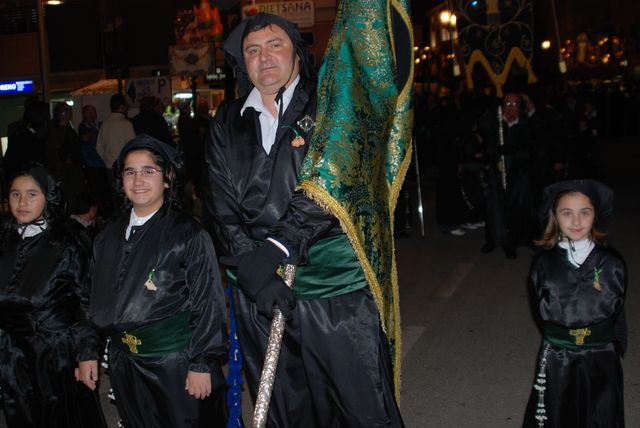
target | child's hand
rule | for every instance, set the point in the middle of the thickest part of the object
(198, 384)
(87, 373)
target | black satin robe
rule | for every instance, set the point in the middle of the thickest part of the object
(40, 283)
(584, 388)
(249, 195)
(511, 220)
(150, 391)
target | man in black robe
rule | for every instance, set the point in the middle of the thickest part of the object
(510, 205)
(334, 367)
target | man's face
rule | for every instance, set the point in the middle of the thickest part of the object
(270, 59)
(511, 107)
(89, 114)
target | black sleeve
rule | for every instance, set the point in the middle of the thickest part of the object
(86, 340)
(301, 226)
(208, 306)
(222, 212)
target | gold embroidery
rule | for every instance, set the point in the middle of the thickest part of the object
(132, 342)
(580, 334)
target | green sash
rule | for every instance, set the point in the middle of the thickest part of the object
(158, 339)
(593, 336)
(333, 270)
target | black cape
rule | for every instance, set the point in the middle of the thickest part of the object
(250, 196)
(583, 388)
(40, 281)
(183, 261)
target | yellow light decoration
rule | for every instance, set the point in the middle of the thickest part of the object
(445, 16)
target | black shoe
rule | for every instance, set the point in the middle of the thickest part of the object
(487, 248)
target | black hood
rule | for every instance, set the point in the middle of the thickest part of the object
(233, 46)
(601, 197)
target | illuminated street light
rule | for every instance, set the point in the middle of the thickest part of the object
(546, 44)
(43, 50)
(445, 17)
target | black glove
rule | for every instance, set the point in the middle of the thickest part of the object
(275, 293)
(256, 268)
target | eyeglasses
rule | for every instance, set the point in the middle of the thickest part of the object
(147, 171)
(510, 103)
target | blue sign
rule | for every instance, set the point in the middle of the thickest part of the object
(16, 86)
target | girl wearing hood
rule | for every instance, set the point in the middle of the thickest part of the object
(156, 294)
(578, 286)
(42, 269)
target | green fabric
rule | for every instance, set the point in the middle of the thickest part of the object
(361, 146)
(158, 339)
(329, 259)
(579, 338)
(333, 270)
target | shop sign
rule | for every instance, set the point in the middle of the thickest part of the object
(157, 86)
(189, 61)
(16, 86)
(299, 12)
(218, 76)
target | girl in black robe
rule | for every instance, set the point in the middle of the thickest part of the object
(42, 267)
(578, 289)
(156, 293)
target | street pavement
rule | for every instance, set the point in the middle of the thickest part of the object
(470, 343)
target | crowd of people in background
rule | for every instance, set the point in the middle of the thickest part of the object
(81, 159)
(490, 172)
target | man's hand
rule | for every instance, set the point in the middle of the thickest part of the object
(87, 373)
(198, 384)
(256, 268)
(275, 293)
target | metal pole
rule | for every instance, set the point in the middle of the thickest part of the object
(268, 376)
(43, 52)
(561, 64)
(502, 167)
(416, 163)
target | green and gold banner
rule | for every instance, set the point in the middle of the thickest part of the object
(361, 146)
(495, 33)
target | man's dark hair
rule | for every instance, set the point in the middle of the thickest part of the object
(83, 203)
(147, 103)
(117, 101)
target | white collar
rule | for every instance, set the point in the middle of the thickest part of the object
(577, 251)
(29, 230)
(254, 99)
(135, 220)
(510, 124)
(84, 223)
